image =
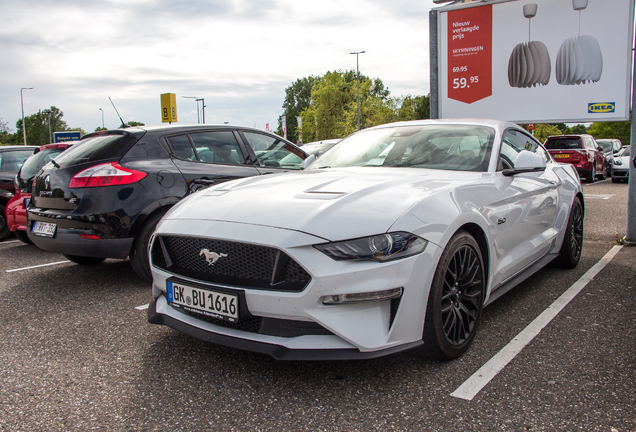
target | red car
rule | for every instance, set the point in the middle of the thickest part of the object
(16, 207)
(582, 151)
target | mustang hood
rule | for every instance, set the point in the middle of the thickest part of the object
(331, 204)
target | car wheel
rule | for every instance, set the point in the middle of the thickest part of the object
(455, 300)
(602, 175)
(570, 252)
(4, 228)
(592, 175)
(82, 260)
(139, 253)
(23, 237)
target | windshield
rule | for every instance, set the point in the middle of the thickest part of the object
(37, 161)
(445, 147)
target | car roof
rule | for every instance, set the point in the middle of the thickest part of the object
(497, 124)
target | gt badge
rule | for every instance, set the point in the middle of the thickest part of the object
(211, 257)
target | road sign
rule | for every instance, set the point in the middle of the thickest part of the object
(60, 137)
(168, 108)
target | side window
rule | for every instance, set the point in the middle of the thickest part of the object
(270, 151)
(13, 160)
(217, 147)
(513, 143)
(182, 148)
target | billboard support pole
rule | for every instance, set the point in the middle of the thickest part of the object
(433, 16)
(631, 192)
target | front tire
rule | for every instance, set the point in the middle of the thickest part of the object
(5, 232)
(23, 237)
(592, 175)
(82, 260)
(455, 300)
(570, 253)
(139, 252)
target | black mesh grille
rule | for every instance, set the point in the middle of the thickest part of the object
(266, 326)
(235, 264)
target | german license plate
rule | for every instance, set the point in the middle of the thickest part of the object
(561, 156)
(207, 302)
(44, 229)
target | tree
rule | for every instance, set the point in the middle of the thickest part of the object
(543, 131)
(135, 123)
(40, 126)
(4, 132)
(578, 129)
(297, 99)
(619, 130)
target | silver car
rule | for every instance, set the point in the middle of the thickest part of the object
(620, 166)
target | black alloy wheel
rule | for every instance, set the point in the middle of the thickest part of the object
(570, 253)
(456, 299)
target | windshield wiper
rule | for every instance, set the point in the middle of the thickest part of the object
(326, 166)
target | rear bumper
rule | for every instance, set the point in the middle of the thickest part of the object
(68, 241)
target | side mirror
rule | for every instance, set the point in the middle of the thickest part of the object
(526, 162)
(310, 159)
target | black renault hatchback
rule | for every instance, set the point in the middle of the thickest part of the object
(103, 198)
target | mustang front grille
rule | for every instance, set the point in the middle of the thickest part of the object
(229, 263)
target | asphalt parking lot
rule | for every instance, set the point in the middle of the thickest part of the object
(78, 354)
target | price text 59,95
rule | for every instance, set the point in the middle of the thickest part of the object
(464, 82)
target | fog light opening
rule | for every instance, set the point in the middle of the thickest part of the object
(374, 296)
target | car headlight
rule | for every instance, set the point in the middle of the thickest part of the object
(618, 162)
(382, 247)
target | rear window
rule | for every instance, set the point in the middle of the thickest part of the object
(563, 143)
(37, 161)
(97, 148)
(13, 160)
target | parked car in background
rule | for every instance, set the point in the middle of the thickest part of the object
(620, 165)
(11, 159)
(361, 256)
(16, 207)
(103, 197)
(316, 148)
(582, 151)
(609, 146)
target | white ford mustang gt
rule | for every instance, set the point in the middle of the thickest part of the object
(394, 239)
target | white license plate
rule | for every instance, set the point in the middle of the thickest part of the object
(207, 302)
(26, 202)
(44, 229)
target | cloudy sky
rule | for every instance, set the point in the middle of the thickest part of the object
(239, 55)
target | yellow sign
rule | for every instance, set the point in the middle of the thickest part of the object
(168, 108)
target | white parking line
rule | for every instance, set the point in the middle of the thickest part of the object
(143, 307)
(10, 241)
(41, 265)
(469, 389)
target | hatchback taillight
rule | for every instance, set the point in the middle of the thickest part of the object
(108, 174)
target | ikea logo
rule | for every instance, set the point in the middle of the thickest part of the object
(601, 107)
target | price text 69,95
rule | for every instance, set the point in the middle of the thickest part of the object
(464, 82)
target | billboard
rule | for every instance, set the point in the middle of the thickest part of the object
(537, 61)
(61, 137)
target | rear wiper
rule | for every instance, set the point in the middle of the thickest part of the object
(326, 166)
(55, 163)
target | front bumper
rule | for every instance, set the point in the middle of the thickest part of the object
(356, 330)
(620, 173)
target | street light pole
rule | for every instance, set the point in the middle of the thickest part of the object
(102, 118)
(357, 53)
(22, 105)
(203, 108)
(198, 114)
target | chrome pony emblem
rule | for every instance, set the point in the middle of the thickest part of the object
(211, 257)
(47, 182)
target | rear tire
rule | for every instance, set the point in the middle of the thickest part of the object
(82, 260)
(455, 300)
(23, 237)
(5, 232)
(139, 252)
(570, 253)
